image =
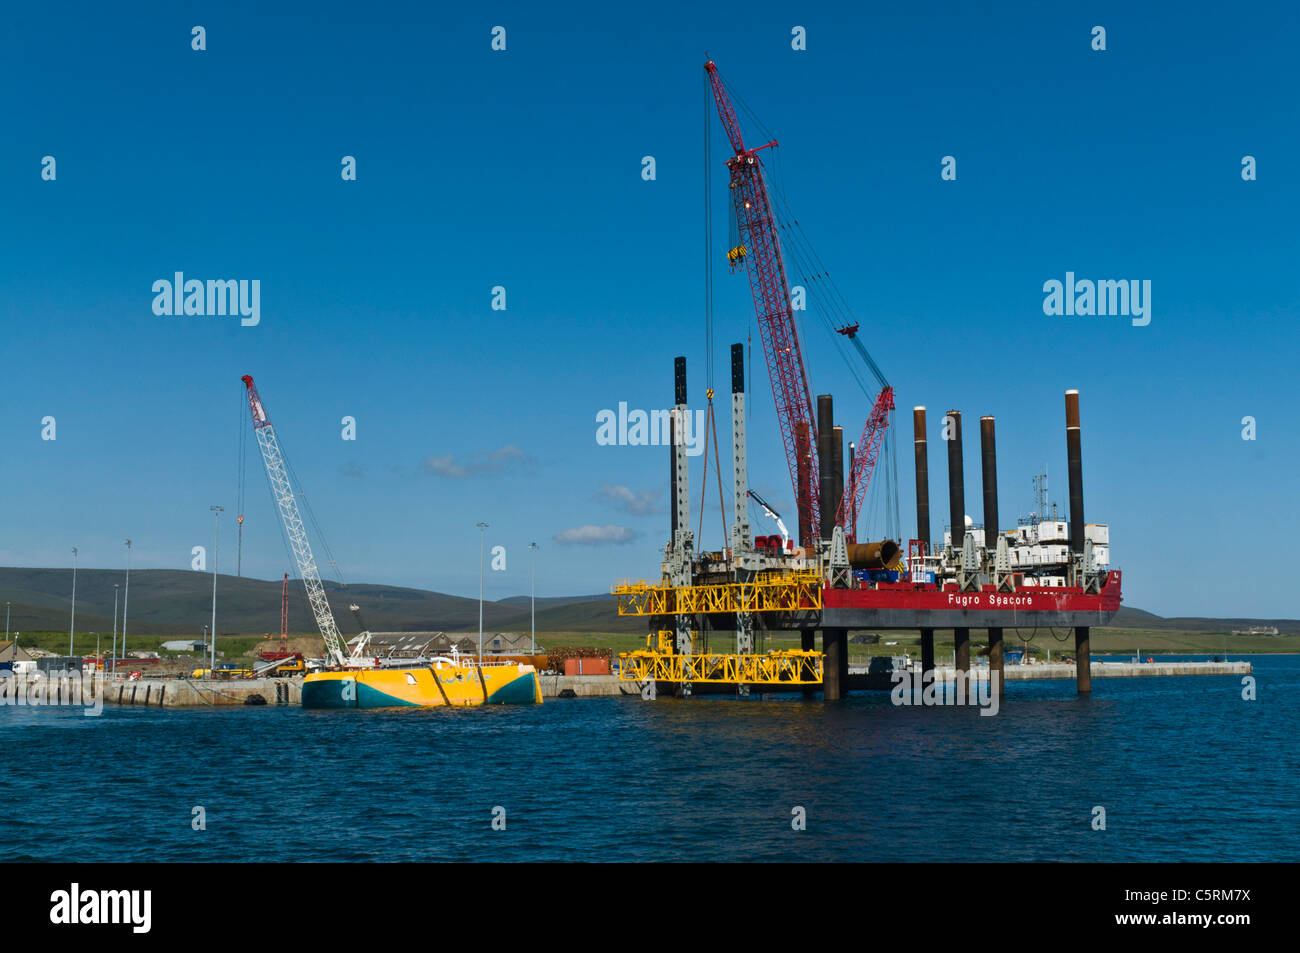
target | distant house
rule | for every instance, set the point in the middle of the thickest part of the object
(12, 652)
(509, 643)
(185, 645)
(15, 659)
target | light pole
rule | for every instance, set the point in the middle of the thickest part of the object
(482, 544)
(7, 605)
(116, 588)
(216, 539)
(72, 626)
(532, 577)
(126, 596)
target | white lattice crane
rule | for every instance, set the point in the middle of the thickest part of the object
(282, 490)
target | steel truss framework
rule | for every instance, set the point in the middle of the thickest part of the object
(282, 490)
(793, 667)
(781, 593)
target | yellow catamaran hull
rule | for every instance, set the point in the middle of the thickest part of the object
(435, 686)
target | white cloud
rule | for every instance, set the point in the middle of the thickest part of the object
(595, 535)
(635, 502)
(477, 464)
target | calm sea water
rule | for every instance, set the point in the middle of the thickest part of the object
(1185, 769)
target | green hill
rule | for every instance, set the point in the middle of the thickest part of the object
(179, 602)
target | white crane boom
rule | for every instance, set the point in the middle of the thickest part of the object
(335, 647)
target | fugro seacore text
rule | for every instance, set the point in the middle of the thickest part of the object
(991, 600)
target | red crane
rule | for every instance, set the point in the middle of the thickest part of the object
(868, 450)
(284, 615)
(761, 251)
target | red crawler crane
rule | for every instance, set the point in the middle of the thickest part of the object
(761, 251)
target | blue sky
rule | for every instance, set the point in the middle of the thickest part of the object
(523, 169)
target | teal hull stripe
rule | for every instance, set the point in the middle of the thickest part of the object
(521, 691)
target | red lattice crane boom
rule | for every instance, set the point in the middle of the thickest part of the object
(868, 452)
(761, 250)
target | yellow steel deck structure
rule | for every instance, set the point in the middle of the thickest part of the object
(790, 667)
(774, 592)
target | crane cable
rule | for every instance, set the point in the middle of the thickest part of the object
(311, 516)
(708, 237)
(245, 424)
(835, 312)
(711, 423)
(833, 308)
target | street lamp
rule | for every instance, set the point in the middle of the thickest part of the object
(72, 626)
(126, 596)
(482, 544)
(216, 538)
(116, 588)
(532, 575)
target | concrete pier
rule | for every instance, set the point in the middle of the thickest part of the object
(859, 680)
(203, 693)
(586, 686)
(151, 692)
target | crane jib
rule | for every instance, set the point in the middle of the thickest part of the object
(765, 264)
(770, 289)
(295, 531)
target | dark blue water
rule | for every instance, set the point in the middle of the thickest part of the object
(1185, 769)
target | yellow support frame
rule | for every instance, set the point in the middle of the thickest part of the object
(792, 667)
(784, 592)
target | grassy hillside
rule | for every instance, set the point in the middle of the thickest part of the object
(166, 602)
(177, 602)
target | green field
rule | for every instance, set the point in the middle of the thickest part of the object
(174, 604)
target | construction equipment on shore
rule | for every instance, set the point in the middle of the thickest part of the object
(296, 532)
(358, 679)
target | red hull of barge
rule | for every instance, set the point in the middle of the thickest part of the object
(907, 605)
